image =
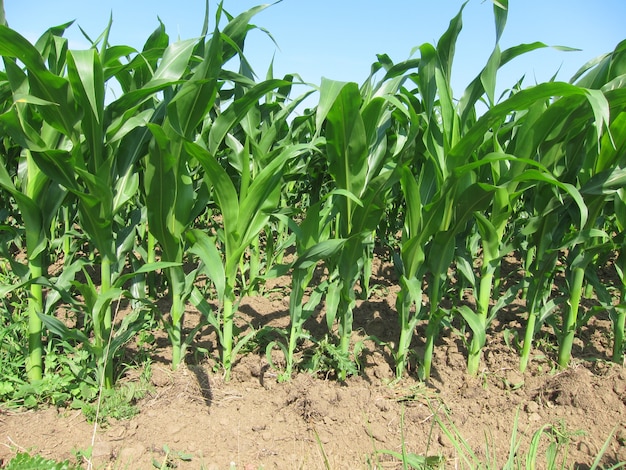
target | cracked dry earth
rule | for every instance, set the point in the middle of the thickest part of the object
(313, 422)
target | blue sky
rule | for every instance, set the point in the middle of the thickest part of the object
(339, 39)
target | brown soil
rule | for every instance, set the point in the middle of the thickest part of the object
(253, 421)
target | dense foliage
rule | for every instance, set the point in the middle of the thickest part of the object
(194, 169)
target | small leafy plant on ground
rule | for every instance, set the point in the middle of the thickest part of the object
(26, 461)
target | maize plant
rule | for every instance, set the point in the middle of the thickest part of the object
(197, 169)
(89, 150)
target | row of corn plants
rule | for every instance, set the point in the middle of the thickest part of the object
(127, 175)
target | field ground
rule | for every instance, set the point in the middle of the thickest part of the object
(193, 419)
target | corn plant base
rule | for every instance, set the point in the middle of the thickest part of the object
(253, 420)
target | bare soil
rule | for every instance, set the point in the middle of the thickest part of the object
(194, 419)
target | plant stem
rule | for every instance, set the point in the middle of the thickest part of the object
(67, 241)
(151, 258)
(227, 333)
(569, 324)
(403, 305)
(105, 286)
(177, 313)
(105, 327)
(482, 307)
(34, 365)
(618, 334)
(175, 332)
(432, 330)
(528, 340)
(345, 326)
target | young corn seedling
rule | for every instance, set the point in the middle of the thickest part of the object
(245, 200)
(361, 162)
(170, 190)
(312, 246)
(94, 155)
(442, 200)
(244, 214)
(38, 198)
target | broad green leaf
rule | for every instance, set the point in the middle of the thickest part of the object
(500, 12)
(30, 211)
(320, 251)
(197, 94)
(537, 176)
(169, 194)
(237, 110)
(225, 191)
(205, 247)
(522, 101)
(488, 75)
(87, 80)
(489, 237)
(329, 90)
(426, 77)
(346, 142)
(237, 29)
(447, 43)
(43, 84)
(174, 63)
(475, 323)
(58, 328)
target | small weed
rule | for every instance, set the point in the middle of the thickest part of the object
(328, 359)
(118, 403)
(25, 461)
(171, 458)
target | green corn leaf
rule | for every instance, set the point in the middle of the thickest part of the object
(426, 77)
(447, 43)
(60, 166)
(143, 269)
(613, 145)
(413, 200)
(476, 88)
(174, 63)
(500, 12)
(537, 176)
(87, 81)
(30, 211)
(263, 196)
(521, 101)
(98, 223)
(21, 131)
(225, 191)
(58, 328)
(103, 300)
(441, 254)
(197, 95)
(489, 237)
(333, 298)
(346, 142)
(605, 183)
(125, 189)
(43, 84)
(169, 192)
(63, 284)
(475, 323)
(323, 250)
(329, 91)
(237, 29)
(237, 111)
(204, 246)
(129, 327)
(488, 74)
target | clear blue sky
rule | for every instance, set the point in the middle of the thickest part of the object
(339, 39)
